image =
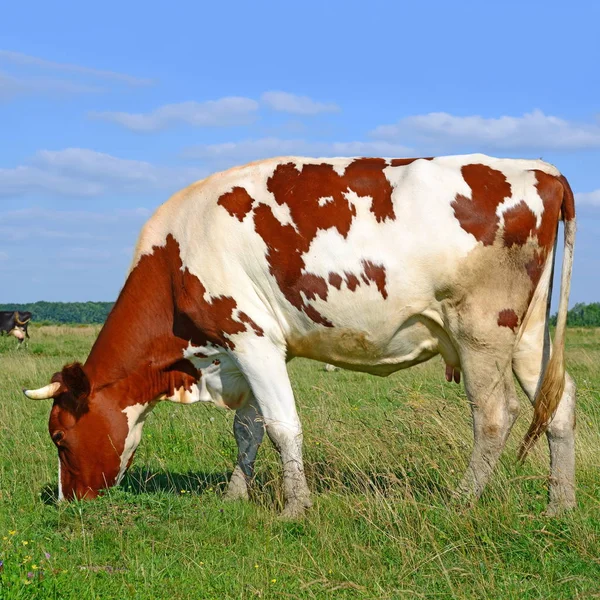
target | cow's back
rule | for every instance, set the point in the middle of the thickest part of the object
(327, 252)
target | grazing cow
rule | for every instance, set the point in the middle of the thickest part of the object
(15, 323)
(369, 264)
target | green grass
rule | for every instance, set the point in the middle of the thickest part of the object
(381, 457)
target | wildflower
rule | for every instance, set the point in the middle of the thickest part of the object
(12, 532)
(34, 567)
(273, 580)
(47, 555)
(30, 575)
(1, 564)
(5, 537)
(256, 566)
(27, 581)
(25, 542)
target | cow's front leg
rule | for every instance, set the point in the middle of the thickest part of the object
(265, 369)
(287, 438)
(249, 430)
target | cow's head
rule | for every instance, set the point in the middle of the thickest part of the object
(95, 442)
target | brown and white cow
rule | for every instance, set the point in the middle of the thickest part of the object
(371, 264)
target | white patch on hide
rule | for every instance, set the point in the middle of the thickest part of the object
(60, 491)
(136, 417)
(221, 381)
(325, 200)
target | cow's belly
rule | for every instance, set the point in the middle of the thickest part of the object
(414, 341)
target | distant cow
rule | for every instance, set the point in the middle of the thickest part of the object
(15, 323)
(369, 264)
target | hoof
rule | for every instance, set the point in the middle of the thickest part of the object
(233, 495)
(237, 488)
(556, 509)
(295, 509)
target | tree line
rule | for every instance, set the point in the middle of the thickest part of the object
(581, 315)
(64, 312)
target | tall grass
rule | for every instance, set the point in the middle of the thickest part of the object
(382, 456)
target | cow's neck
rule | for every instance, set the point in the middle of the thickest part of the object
(136, 349)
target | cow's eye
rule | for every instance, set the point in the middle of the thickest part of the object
(57, 437)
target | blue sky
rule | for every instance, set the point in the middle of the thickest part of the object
(106, 109)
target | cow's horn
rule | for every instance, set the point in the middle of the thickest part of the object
(44, 393)
(19, 322)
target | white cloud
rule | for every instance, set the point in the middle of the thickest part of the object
(27, 232)
(298, 105)
(533, 130)
(26, 60)
(247, 150)
(26, 179)
(11, 86)
(83, 172)
(588, 198)
(213, 113)
(69, 217)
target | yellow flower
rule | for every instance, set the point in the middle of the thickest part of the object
(256, 566)
(273, 580)
(12, 532)
(5, 537)
(26, 581)
(25, 542)
(34, 567)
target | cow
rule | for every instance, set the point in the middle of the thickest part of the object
(369, 264)
(15, 323)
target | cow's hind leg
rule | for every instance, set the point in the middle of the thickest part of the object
(529, 362)
(248, 429)
(264, 367)
(491, 392)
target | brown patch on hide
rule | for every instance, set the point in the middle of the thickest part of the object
(301, 189)
(477, 215)
(535, 267)
(335, 280)
(403, 162)
(237, 202)
(519, 224)
(568, 205)
(551, 192)
(508, 318)
(376, 274)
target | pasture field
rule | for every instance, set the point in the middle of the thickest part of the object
(381, 455)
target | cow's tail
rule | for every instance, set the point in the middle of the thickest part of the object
(553, 383)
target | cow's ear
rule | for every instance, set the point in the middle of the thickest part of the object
(74, 378)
